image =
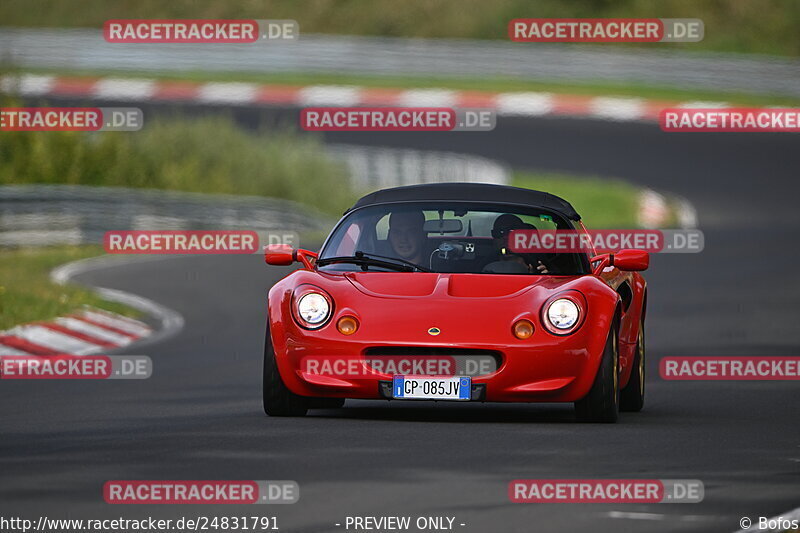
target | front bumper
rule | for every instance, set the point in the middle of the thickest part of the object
(544, 368)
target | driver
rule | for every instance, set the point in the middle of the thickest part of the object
(406, 235)
(500, 230)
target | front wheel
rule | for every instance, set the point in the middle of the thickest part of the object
(602, 402)
(278, 399)
(632, 396)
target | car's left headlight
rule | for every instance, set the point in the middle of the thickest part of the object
(562, 315)
(312, 307)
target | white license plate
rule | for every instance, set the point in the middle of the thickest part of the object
(431, 388)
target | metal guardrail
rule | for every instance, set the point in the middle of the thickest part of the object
(373, 168)
(85, 49)
(38, 215)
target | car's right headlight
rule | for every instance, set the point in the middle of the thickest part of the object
(312, 307)
(562, 315)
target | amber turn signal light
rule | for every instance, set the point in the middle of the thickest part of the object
(523, 329)
(347, 325)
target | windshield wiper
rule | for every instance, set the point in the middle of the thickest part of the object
(365, 261)
(403, 261)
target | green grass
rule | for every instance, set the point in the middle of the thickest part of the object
(209, 155)
(487, 83)
(755, 26)
(602, 203)
(27, 294)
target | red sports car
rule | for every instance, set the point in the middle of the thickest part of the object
(415, 295)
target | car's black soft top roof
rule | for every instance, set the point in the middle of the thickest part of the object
(470, 192)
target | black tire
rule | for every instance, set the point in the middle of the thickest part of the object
(602, 402)
(631, 398)
(278, 399)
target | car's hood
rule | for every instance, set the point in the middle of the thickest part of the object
(423, 284)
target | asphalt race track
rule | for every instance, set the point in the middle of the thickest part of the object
(200, 417)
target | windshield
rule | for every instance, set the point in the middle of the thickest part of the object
(445, 237)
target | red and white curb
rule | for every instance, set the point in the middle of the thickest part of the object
(530, 104)
(92, 330)
(86, 332)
